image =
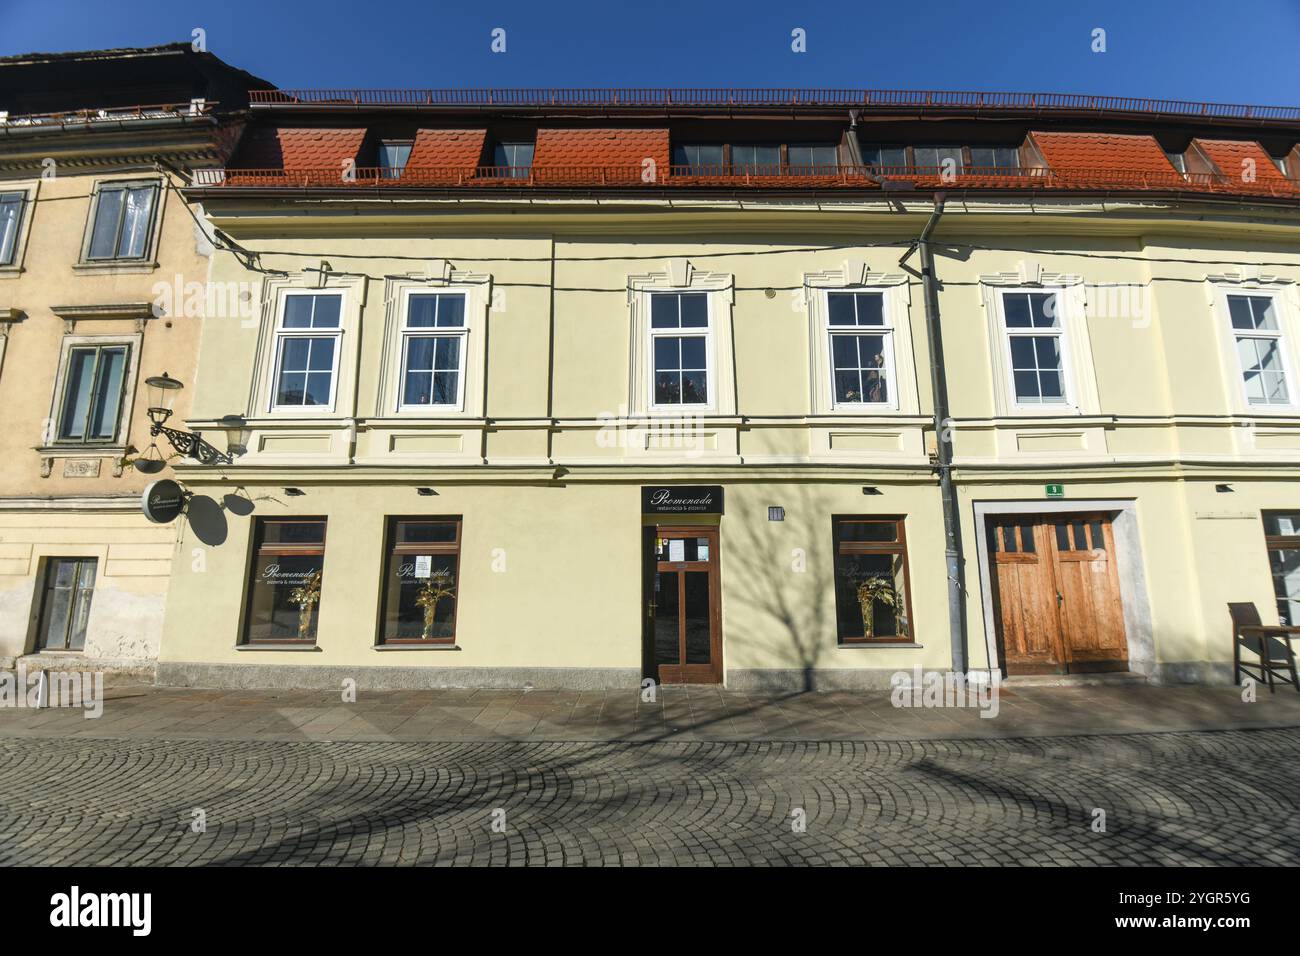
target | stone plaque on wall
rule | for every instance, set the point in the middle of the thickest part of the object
(81, 468)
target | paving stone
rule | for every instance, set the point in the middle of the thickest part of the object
(1207, 798)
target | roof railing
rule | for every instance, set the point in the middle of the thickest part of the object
(763, 97)
(749, 176)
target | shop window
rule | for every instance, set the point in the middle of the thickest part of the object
(421, 581)
(285, 581)
(872, 597)
(1282, 538)
(65, 605)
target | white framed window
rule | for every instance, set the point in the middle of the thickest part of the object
(434, 361)
(1261, 348)
(308, 340)
(1039, 344)
(434, 346)
(123, 221)
(1035, 343)
(860, 345)
(860, 342)
(681, 350)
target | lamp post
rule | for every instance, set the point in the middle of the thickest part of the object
(162, 398)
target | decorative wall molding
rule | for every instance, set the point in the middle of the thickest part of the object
(139, 312)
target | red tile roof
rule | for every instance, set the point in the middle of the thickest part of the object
(299, 148)
(1103, 151)
(601, 147)
(1242, 163)
(458, 148)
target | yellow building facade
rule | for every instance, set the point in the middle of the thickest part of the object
(576, 440)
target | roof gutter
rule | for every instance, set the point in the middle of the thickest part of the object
(953, 555)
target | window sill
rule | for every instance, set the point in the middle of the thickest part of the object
(277, 647)
(416, 647)
(115, 266)
(81, 451)
(866, 645)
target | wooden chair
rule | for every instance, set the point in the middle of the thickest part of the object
(1272, 643)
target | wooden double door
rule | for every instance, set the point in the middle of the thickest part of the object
(682, 636)
(1056, 593)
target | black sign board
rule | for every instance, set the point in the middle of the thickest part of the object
(162, 501)
(681, 499)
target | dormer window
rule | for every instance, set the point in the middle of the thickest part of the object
(813, 159)
(513, 160)
(1178, 161)
(393, 156)
(699, 158)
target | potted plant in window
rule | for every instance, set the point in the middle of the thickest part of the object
(305, 596)
(872, 590)
(436, 588)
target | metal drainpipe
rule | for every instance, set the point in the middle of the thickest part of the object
(943, 445)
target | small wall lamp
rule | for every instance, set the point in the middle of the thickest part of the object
(294, 492)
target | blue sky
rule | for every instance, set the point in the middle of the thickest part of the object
(1243, 51)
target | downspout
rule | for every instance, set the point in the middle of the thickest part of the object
(943, 444)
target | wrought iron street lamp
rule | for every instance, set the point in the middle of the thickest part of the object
(162, 396)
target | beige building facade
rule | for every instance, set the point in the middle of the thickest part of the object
(103, 272)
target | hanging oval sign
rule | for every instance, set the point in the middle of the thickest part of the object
(162, 501)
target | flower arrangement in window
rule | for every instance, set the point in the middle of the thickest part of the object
(305, 596)
(872, 590)
(436, 588)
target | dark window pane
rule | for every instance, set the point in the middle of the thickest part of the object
(1096, 534)
(1062, 536)
(1051, 386)
(284, 599)
(695, 310)
(1022, 352)
(841, 308)
(695, 610)
(1026, 386)
(1009, 538)
(292, 532)
(667, 616)
(78, 391)
(1027, 538)
(875, 531)
(667, 353)
(871, 308)
(1044, 307)
(668, 388)
(297, 311)
(848, 387)
(426, 532)
(693, 352)
(664, 312)
(451, 311)
(11, 210)
(1080, 536)
(1016, 307)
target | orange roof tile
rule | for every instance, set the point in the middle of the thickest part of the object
(1242, 162)
(299, 148)
(600, 147)
(461, 148)
(1103, 151)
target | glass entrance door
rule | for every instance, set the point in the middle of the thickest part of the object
(683, 607)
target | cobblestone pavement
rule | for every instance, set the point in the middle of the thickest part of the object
(1182, 798)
